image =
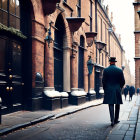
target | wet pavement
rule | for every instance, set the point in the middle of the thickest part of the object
(21, 119)
(129, 126)
(88, 121)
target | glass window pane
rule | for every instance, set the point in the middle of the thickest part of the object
(2, 54)
(4, 18)
(17, 23)
(16, 59)
(12, 4)
(4, 4)
(0, 3)
(12, 21)
(0, 16)
(17, 8)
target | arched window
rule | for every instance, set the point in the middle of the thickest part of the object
(10, 13)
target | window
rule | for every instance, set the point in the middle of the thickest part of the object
(79, 8)
(2, 54)
(90, 16)
(10, 13)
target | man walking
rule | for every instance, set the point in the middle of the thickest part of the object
(113, 82)
(131, 92)
(138, 91)
(125, 92)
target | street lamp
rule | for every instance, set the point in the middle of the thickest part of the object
(90, 69)
(48, 38)
(90, 65)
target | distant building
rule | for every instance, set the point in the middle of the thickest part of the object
(137, 42)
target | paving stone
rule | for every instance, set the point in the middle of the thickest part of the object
(137, 132)
(131, 129)
(124, 127)
(137, 137)
(128, 138)
(132, 119)
(130, 122)
(118, 132)
(115, 137)
(138, 125)
(130, 133)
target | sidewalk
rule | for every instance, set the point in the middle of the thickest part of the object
(21, 119)
(129, 126)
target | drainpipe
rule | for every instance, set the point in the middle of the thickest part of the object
(96, 24)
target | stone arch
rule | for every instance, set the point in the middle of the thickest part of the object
(66, 50)
(38, 11)
(67, 30)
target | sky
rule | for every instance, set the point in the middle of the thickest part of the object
(123, 19)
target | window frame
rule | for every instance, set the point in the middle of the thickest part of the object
(79, 8)
(10, 14)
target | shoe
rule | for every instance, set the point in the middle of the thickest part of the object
(116, 122)
(112, 124)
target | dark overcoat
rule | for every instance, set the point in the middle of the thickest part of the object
(131, 91)
(125, 91)
(113, 81)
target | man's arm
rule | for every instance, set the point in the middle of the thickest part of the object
(122, 80)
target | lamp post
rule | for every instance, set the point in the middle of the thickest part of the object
(48, 38)
(90, 69)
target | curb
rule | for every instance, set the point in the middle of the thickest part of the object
(23, 125)
(72, 112)
(41, 119)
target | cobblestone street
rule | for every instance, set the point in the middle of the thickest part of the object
(90, 124)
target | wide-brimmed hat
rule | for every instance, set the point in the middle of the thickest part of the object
(112, 59)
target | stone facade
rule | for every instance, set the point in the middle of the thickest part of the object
(62, 36)
(137, 43)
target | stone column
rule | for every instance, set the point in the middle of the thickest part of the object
(85, 70)
(66, 69)
(74, 68)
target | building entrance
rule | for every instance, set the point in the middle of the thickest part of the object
(10, 74)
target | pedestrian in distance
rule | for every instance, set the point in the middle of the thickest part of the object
(113, 82)
(138, 91)
(125, 92)
(131, 92)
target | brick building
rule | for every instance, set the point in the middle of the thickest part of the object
(137, 43)
(46, 46)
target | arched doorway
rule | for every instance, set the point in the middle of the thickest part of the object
(58, 53)
(81, 63)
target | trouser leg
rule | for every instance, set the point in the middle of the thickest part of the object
(111, 111)
(117, 110)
